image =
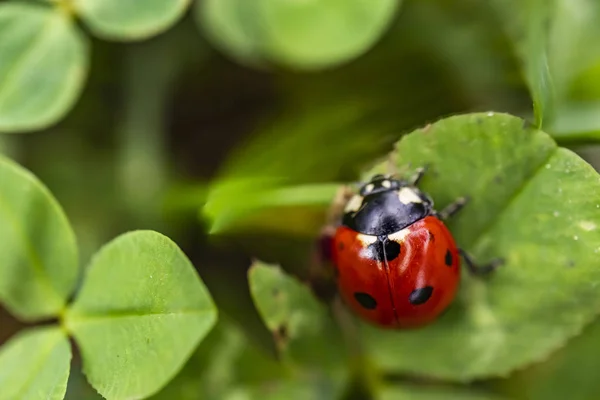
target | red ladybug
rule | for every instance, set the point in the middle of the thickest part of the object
(397, 264)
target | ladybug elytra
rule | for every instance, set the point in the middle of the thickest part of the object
(397, 264)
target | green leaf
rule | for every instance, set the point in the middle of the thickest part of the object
(230, 26)
(568, 373)
(534, 205)
(529, 29)
(305, 35)
(38, 252)
(137, 333)
(303, 329)
(43, 66)
(35, 365)
(127, 20)
(322, 33)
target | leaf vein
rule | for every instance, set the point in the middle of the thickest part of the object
(13, 69)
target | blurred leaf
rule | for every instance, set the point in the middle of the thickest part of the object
(432, 393)
(577, 122)
(225, 360)
(35, 38)
(303, 329)
(280, 390)
(126, 20)
(264, 206)
(570, 373)
(322, 33)
(38, 252)
(304, 35)
(141, 130)
(574, 27)
(533, 204)
(136, 336)
(272, 171)
(231, 25)
(469, 45)
(35, 365)
(528, 24)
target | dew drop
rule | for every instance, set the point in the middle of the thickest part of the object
(556, 213)
(490, 114)
(575, 237)
(548, 166)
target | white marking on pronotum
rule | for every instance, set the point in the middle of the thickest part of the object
(366, 239)
(354, 204)
(400, 235)
(369, 188)
(386, 184)
(407, 196)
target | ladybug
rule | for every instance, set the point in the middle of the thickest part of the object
(397, 264)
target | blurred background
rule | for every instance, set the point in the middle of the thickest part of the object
(173, 133)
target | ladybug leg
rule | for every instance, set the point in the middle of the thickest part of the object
(417, 175)
(452, 208)
(480, 270)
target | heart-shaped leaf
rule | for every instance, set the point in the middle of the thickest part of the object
(533, 204)
(137, 333)
(303, 330)
(302, 34)
(128, 19)
(38, 252)
(35, 365)
(43, 65)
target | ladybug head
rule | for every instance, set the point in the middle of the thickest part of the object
(385, 205)
(379, 184)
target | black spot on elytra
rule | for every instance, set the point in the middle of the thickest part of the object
(420, 296)
(431, 236)
(392, 249)
(365, 300)
(341, 246)
(379, 250)
(448, 258)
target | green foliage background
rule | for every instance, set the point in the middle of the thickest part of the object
(228, 126)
